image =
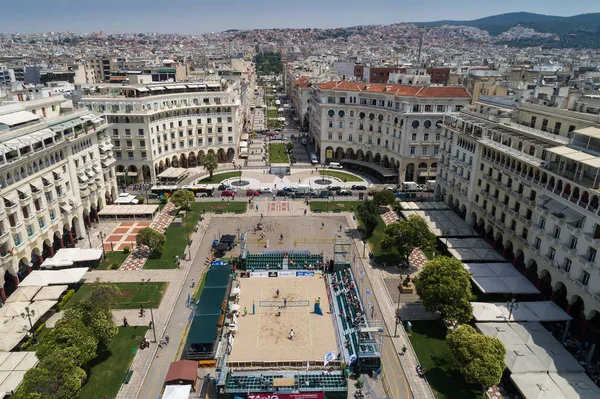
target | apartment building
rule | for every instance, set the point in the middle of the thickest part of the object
(392, 130)
(155, 126)
(535, 196)
(56, 173)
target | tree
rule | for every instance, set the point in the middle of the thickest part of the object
(72, 336)
(384, 197)
(367, 212)
(480, 358)
(289, 146)
(56, 377)
(210, 163)
(155, 240)
(182, 198)
(406, 235)
(99, 319)
(444, 286)
(103, 295)
(305, 123)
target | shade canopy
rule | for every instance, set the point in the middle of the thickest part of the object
(43, 278)
(177, 392)
(23, 294)
(51, 292)
(499, 278)
(66, 257)
(182, 370)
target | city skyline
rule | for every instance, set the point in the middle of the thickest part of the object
(200, 17)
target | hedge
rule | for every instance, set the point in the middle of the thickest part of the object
(65, 299)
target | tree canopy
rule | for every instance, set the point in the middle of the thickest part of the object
(72, 336)
(406, 235)
(182, 198)
(153, 239)
(384, 197)
(210, 163)
(444, 286)
(268, 63)
(480, 358)
(367, 213)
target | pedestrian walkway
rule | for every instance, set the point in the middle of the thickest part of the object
(389, 216)
(133, 317)
(139, 255)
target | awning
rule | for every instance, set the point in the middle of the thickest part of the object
(82, 177)
(105, 147)
(17, 118)
(43, 278)
(142, 89)
(157, 88)
(66, 207)
(90, 173)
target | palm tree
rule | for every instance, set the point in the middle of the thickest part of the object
(210, 163)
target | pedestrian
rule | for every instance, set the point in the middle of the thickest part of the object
(193, 283)
(322, 225)
(142, 311)
(285, 302)
(291, 334)
(305, 212)
(277, 293)
(319, 301)
(167, 339)
(340, 227)
(261, 215)
(404, 349)
(125, 322)
(151, 325)
(245, 311)
(279, 311)
(281, 237)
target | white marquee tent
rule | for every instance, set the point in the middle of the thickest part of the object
(526, 311)
(43, 278)
(499, 278)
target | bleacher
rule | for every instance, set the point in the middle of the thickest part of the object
(275, 261)
(350, 313)
(310, 381)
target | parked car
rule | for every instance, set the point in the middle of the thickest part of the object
(252, 193)
(290, 189)
(227, 193)
(324, 194)
(265, 190)
(372, 192)
(281, 193)
(358, 187)
(334, 188)
(390, 189)
(344, 193)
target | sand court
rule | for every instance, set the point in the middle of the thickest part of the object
(264, 336)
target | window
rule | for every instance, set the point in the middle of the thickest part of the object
(330, 136)
(42, 222)
(127, 132)
(129, 144)
(428, 108)
(118, 154)
(115, 132)
(413, 150)
(340, 137)
(556, 232)
(142, 143)
(144, 155)
(140, 132)
(439, 108)
(349, 137)
(591, 255)
(229, 119)
(414, 137)
(208, 120)
(567, 265)
(330, 124)
(424, 151)
(426, 137)
(557, 128)
(537, 243)
(551, 253)
(30, 231)
(351, 113)
(117, 143)
(415, 124)
(533, 121)
(130, 154)
(542, 223)
(52, 215)
(427, 124)
(585, 277)
(331, 113)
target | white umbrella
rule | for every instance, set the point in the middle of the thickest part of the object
(23, 294)
(235, 307)
(235, 291)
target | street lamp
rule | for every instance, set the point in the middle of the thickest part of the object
(89, 237)
(102, 237)
(28, 314)
(511, 305)
(398, 310)
(151, 313)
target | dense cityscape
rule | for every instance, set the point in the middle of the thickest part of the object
(408, 210)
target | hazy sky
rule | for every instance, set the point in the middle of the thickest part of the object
(200, 16)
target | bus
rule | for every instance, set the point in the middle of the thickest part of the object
(200, 191)
(163, 191)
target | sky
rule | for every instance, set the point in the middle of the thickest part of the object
(202, 16)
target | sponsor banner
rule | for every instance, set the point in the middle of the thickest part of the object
(259, 274)
(272, 274)
(244, 274)
(299, 395)
(305, 274)
(286, 274)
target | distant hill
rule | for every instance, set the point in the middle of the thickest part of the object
(577, 31)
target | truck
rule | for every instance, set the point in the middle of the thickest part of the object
(411, 186)
(430, 185)
(304, 189)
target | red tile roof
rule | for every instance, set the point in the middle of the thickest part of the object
(302, 82)
(398, 90)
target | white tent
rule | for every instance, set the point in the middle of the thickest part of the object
(9, 340)
(18, 361)
(13, 309)
(38, 308)
(66, 257)
(498, 278)
(548, 311)
(177, 392)
(519, 359)
(12, 381)
(502, 331)
(483, 311)
(521, 313)
(43, 278)
(533, 334)
(13, 325)
(576, 385)
(537, 386)
(51, 293)
(235, 291)
(556, 358)
(23, 294)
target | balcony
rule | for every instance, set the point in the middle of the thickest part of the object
(528, 201)
(10, 206)
(595, 241)
(567, 248)
(586, 261)
(573, 229)
(24, 198)
(37, 194)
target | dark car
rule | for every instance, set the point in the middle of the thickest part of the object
(324, 194)
(344, 193)
(223, 187)
(358, 187)
(281, 193)
(334, 188)
(289, 189)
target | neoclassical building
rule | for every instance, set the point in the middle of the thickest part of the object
(535, 196)
(393, 130)
(156, 126)
(56, 172)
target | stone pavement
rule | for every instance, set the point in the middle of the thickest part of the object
(139, 255)
(133, 317)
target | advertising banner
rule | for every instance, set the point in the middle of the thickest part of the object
(299, 395)
(272, 274)
(259, 274)
(286, 274)
(305, 274)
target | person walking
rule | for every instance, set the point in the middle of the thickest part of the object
(125, 322)
(167, 339)
(285, 302)
(193, 283)
(404, 349)
(142, 311)
(245, 311)
(291, 335)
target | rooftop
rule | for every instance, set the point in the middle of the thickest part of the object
(398, 90)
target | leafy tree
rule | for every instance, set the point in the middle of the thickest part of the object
(182, 198)
(210, 163)
(289, 147)
(57, 376)
(72, 336)
(99, 319)
(103, 296)
(406, 235)
(367, 212)
(384, 197)
(155, 240)
(444, 286)
(480, 358)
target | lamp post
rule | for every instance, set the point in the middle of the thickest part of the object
(147, 281)
(28, 314)
(511, 305)
(89, 238)
(102, 237)
(398, 310)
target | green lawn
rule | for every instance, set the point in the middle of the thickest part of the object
(219, 177)
(107, 371)
(225, 206)
(133, 295)
(113, 260)
(429, 342)
(322, 206)
(343, 176)
(277, 153)
(272, 113)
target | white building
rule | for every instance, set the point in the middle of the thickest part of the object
(535, 196)
(392, 131)
(56, 172)
(158, 126)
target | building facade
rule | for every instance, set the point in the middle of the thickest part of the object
(394, 129)
(56, 173)
(155, 127)
(534, 195)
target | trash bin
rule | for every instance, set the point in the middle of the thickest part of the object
(361, 196)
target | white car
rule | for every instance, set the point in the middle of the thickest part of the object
(265, 190)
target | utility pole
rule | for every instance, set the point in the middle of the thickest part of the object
(398, 310)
